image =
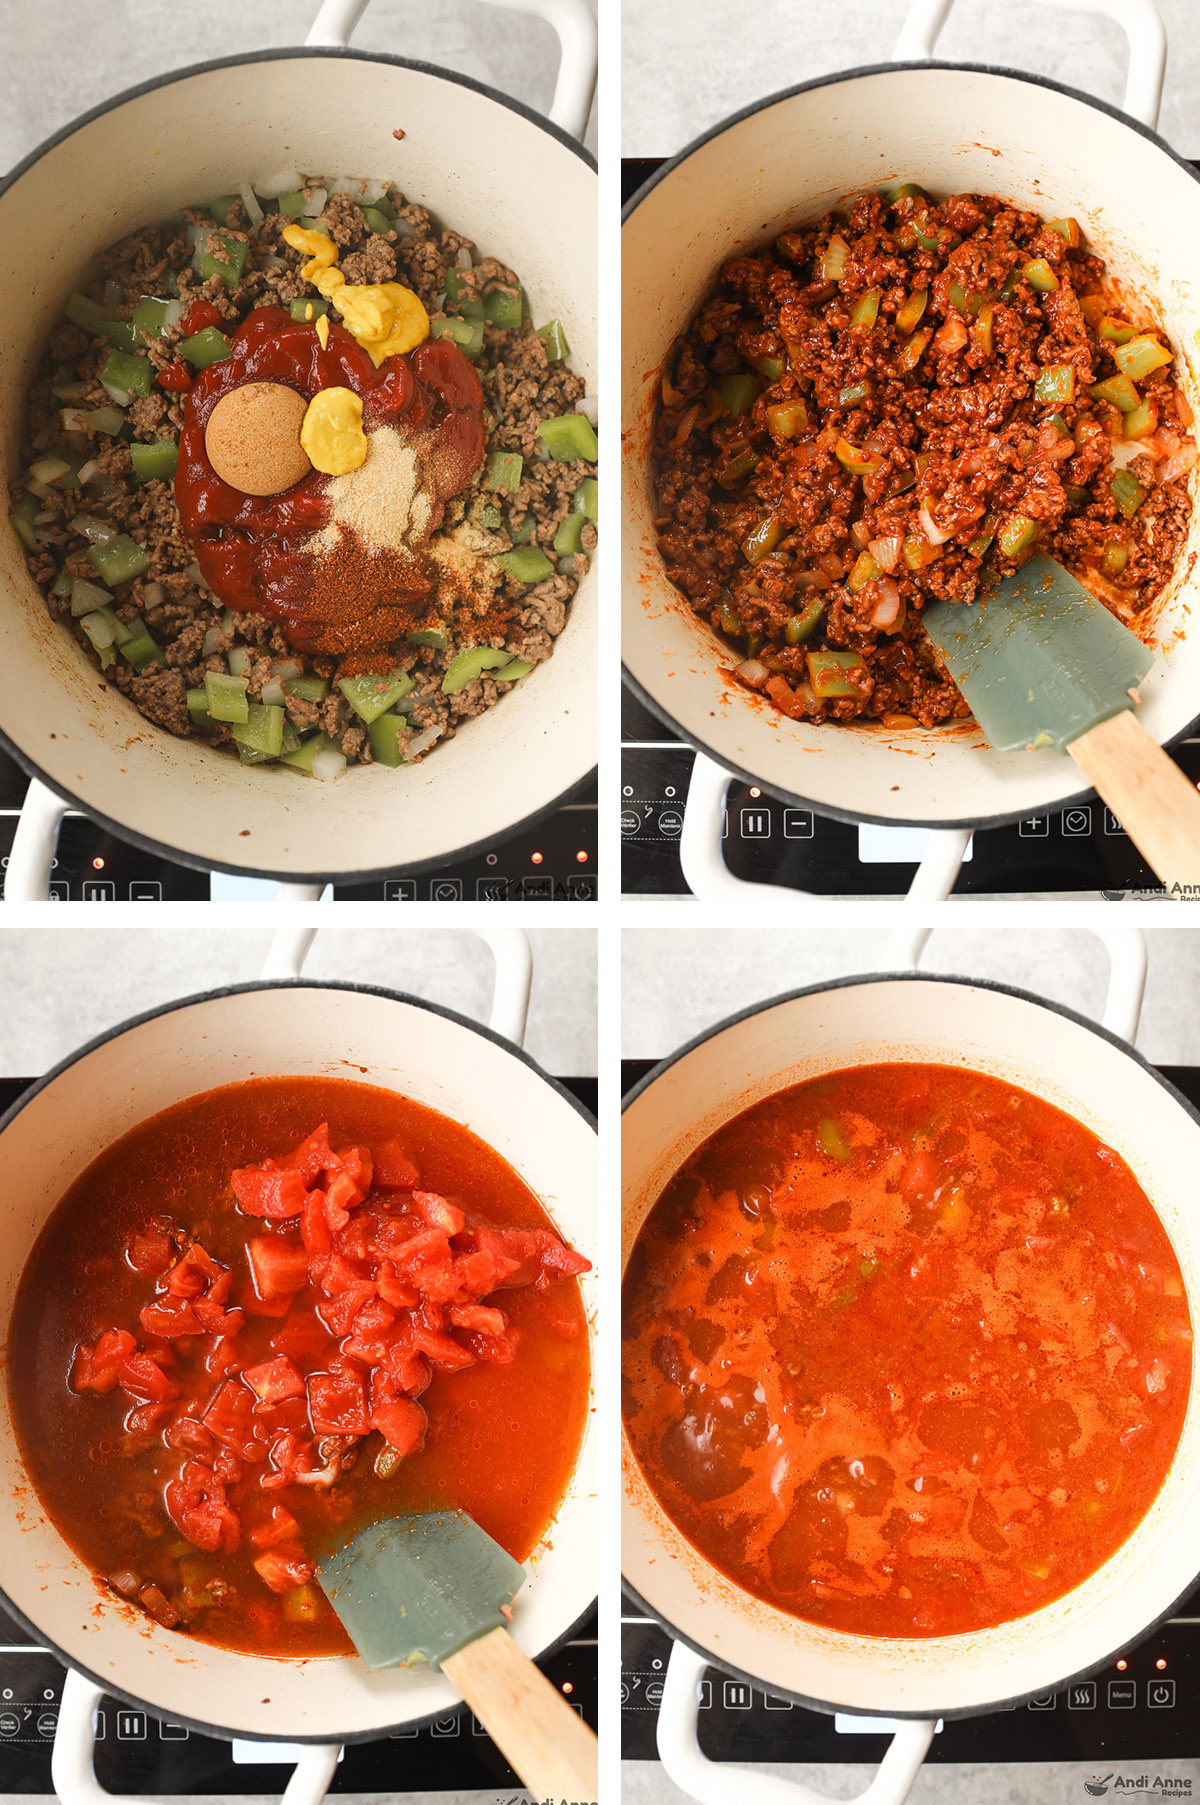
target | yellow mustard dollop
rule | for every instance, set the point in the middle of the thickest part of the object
(332, 431)
(385, 317)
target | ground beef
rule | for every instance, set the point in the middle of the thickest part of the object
(485, 606)
(901, 402)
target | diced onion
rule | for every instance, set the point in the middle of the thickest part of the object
(886, 550)
(1180, 461)
(72, 419)
(42, 490)
(272, 693)
(1123, 451)
(328, 765)
(589, 407)
(887, 608)
(69, 391)
(114, 294)
(98, 531)
(934, 534)
(154, 595)
(239, 658)
(1183, 408)
(283, 668)
(174, 312)
(403, 229)
(196, 575)
(99, 630)
(44, 518)
(85, 596)
(421, 743)
(566, 566)
(198, 236)
(752, 672)
(212, 641)
(463, 258)
(315, 203)
(254, 212)
(287, 181)
(122, 397)
(89, 472)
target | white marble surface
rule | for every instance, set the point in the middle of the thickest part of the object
(683, 71)
(60, 59)
(677, 982)
(58, 990)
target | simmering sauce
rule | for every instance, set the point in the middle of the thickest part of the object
(907, 1351)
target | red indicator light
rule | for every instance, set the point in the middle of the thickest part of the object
(567, 1686)
(1160, 1664)
(581, 858)
(536, 858)
(1121, 1666)
(756, 792)
(98, 864)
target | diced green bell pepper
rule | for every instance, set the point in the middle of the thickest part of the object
(302, 758)
(1140, 355)
(1056, 384)
(291, 205)
(857, 462)
(739, 394)
(984, 536)
(908, 317)
(122, 336)
(1016, 535)
(262, 731)
(903, 191)
(730, 619)
(384, 734)
(150, 316)
(89, 314)
(740, 464)
(802, 626)
(309, 308)
(527, 564)
(1127, 492)
(928, 235)
(490, 517)
(554, 339)
(377, 221)
(831, 673)
(227, 698)
(141, 650)
(1117, 332)
(568, 535)
(21, 516)
(155, 462)
(374, 694)
(204, 348)
(515, 671)
(1066, 228)
(762, 540)
(119, 559)
(222, 207)
(505, 308)
(785, 419)
(1118, 390)
(913, 351)
(865, 571)
(831, 1138)
(471, 664)
(1038, 273)
(197, 705)
(306, 689)
(771, 367)
(133, 374)
(428, 636)
(1114, 559)
(504, 471)
(865, 311)
(210, 264)
(918, 552)
(466, 334)
(856, 392)
(586, 497)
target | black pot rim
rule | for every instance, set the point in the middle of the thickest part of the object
(145, 842)
(223, 1732)
(859, 980)
(795, 798)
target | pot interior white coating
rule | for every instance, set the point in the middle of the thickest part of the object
(1101, 1085)
(364, 1037)
(951, 130)
(485, 170)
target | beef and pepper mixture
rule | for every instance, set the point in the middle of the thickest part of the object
(304, 477)
(901, 402)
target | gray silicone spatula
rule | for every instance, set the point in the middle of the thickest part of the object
(1043, 663)
(433, 1589)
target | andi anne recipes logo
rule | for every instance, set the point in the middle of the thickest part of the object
(1155, 1786)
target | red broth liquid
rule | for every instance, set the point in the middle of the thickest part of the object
(907, 1351)
(502, 1440)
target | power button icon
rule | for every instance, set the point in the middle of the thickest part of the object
(1161, 1694)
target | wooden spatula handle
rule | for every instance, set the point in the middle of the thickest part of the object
(1156, 804)
(527, 1717)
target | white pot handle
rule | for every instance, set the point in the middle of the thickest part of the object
(510, 949)
(1126, 971)
(709, 878)
(27, 874)
(1140, 20)
(724, 1783)
(571, 19)
(72, 1765)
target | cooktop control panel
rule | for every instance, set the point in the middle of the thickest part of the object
(554, 861)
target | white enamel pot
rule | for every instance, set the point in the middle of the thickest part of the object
(1094, 1074)
(471, 1073)
(517, 184)
(789, 158)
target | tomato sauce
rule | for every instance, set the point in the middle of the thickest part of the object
(250, 547)
(907, 1351)
(203, 1475)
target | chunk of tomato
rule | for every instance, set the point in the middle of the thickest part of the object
(393, 1170)
(401, 1423)
(144, 1378)
(170, 1316)
(278, 1266)
(274, 1380)
(302, 1334)
(313, 1156)
(314, 1229)
(193, 1273)
(196, 1505)
(438, 1212)
(96, 1368)
(267, 1525)
(284, 1567)
(149, 1251)
(337, 1403)
(231, 1418)
(275, 1195)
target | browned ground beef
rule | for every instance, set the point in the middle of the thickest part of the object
(808, 413)
(522, 386)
